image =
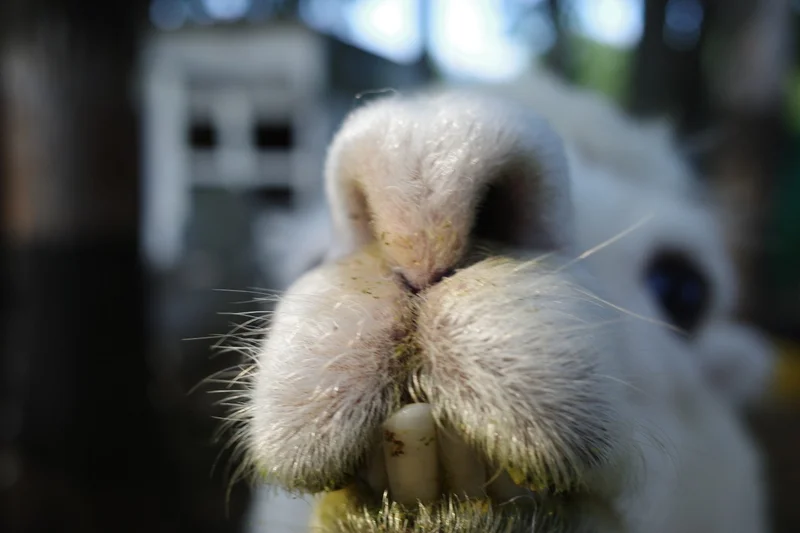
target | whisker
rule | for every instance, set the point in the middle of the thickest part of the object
(650, 320)
(607, 242)
(588, 326)
(251, 290)
(494, 477)
(214, 377)
(626, 383)
(535, 261)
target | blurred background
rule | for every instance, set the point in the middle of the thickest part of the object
(158, 158)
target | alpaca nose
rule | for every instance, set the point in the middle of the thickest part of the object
(418, 281)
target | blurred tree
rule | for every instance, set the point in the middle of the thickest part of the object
(749, 70)
(722, 65)
(667, 75)
(601, 67)
(559, 57)
(81, 448)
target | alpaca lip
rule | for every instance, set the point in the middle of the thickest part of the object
(355, 509)
(344, 512)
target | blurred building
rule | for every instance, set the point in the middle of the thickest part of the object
(236, 121)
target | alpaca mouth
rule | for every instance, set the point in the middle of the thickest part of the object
(421, 477)
(522, 424)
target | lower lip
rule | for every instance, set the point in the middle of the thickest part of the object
(345, 511)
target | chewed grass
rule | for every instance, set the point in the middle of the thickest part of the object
(341, 513)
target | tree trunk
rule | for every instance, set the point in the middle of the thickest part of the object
(749, 81)
(80, 447)
(668, 77)
(558, 58)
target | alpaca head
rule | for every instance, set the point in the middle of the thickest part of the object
(524, 323)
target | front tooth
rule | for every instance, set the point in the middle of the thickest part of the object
(376, 475)
(410, 451)
(502, 488)
(463, 470)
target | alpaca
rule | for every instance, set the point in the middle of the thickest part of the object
(524, 322)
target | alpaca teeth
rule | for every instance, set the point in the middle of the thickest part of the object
(376, 476)
(417, 462)
(411, 454)
(465, 474)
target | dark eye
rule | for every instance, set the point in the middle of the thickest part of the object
(680, 288)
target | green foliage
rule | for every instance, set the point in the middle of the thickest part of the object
(601, 67)
(793, 101)
(784, 224)
(783, 230)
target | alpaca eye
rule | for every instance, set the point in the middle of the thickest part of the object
(680, 288)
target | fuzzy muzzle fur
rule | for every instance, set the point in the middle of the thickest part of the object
(451, 368)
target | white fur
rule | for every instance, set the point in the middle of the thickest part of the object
(564, 352)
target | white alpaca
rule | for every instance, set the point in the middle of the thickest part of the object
(560, 314)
